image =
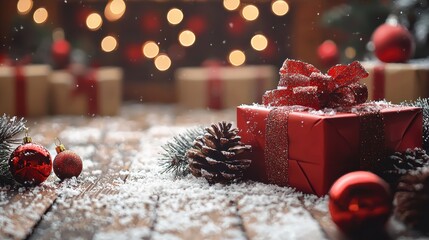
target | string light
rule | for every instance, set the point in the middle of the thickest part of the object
(186, 38)
(236, 57)
(24, 6)
(280, 7)
(94, 21)
(175, 16)
(40, 15)
(117, 7)
(250, 12)
(109, 44)
(259, 42)
(114, 10)
(162, 62)
(150, 49)
(231, 5)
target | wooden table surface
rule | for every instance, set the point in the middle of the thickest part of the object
(122, 194)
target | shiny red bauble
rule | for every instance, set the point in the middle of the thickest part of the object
(30, 164)
(328, 53)
(67, 164)
(360, 202)
(393, 43)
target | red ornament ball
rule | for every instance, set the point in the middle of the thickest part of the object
(328, 53)
(67, 164)
(30, 164)
(61, 53)
(393, 43)
(360, 202)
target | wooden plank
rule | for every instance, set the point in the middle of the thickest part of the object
(133, 208)
(271, 212)
(196, 211)
(98, 202)
(79, 209)
(22, 208)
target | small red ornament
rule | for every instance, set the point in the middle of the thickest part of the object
(360, 202)
(61, 53)
(67, 164)
(328, 53)
(393, 43)
(30, 164)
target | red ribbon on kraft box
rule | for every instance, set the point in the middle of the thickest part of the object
(20, 91)
(86, 84)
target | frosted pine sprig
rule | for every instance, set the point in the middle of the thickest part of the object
(9, 128)
(424, 104)
(174, 159)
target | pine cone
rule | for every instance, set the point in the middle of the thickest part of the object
(400, 163)
(214, 155)
(412, 200)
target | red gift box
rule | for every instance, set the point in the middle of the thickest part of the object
(321, 148)
(295, 145)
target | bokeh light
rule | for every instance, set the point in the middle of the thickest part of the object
(350, 52)
(231, 5)
(162, 62)
(109, 44)
(114, 10)
(280, 7)
(259, 42)
(58, 34)
(24, 6)
(250, 12)
(186, 38)
(94, 21)
(40, 15)
(150, 49)
(117, 7)
(175, 16)
(236, 57)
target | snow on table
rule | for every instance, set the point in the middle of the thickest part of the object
(122, 194)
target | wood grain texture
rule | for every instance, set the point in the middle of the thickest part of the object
(122, 194)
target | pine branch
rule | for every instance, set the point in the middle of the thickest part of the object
(174, 159)
(9, 128)
(424, 104)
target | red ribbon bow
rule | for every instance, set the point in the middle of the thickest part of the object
(303, 84)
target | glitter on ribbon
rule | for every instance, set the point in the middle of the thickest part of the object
(371, 138)
(277, 145)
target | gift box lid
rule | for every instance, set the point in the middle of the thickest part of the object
(29, 70)
(225, 72)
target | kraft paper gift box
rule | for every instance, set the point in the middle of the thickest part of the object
(320, 148)
(397, 82)
(24, 90)
(219, 87)
(97, 92)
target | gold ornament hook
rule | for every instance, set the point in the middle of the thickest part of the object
(27, 138)
(60, 147)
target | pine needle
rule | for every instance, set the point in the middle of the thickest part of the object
(174, 159)
(9, 128)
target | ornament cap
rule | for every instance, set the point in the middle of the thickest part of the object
(60, 147)
(26, 139)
